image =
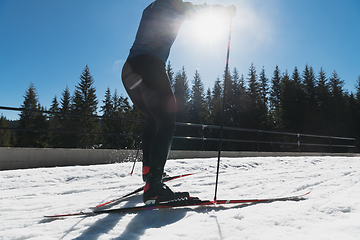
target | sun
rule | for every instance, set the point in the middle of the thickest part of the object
(209, 27)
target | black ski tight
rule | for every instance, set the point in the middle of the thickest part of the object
(148, 86)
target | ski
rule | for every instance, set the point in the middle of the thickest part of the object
(197, 202)
(192, 202)
(119, 199)
(165, 179)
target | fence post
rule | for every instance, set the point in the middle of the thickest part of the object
(258, 139)
(330, 144)
(298, 135)
(119, 146)
(203, 136)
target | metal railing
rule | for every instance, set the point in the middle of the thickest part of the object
(255, 140)
(299, 142)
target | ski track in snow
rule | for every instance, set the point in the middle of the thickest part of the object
(331, 211)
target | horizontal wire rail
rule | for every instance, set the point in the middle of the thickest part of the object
(202, 138)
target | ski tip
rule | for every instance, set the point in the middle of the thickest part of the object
(307, 193)
(100, 205)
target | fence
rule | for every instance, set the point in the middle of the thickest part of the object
(205, 137)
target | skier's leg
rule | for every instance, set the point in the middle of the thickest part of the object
(131, 81)
(165, 118)
(160, 101)
(161, 104)
(147, 139)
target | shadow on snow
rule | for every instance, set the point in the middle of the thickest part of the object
(148, 219)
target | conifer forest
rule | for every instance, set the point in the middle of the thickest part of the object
(308, 101)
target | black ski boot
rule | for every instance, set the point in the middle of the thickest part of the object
(155, 191)
(145, 172)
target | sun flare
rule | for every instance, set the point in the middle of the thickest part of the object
(209, 27)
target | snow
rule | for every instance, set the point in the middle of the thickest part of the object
(331, 211)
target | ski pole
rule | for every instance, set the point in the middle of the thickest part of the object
(223, 111)
(137, 154)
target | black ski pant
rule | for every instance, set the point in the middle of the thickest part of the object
(148, 86)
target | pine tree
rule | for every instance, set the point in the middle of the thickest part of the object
(216, 103)
(54, 123)
(357, 86)
(298, 103)
(170, 74)
(263, 104)
(126, 111)
(309, 101)
(338, 104)
(65, 101)
(289, 119)
(253, 86)
(181, 91)
(32, 120)
(241, 115)
(229, 98)
(235, 97)
(117, 112)
(117, 107)
(214, 100)
(275, 99)
(336, 85)
(208, 105)
(356, 115)
(84, 101)
(107, 108)
(322, 89)
(238, 111)
(197, 100)
(351, 122)
(254, 99)
(106, 124)
(54, 107)
(66, 140)
(323, 101)
(5, 135)
(310, 84)
(196, 113)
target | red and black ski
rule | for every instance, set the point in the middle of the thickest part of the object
(198, 202)
(119, 199)
(188, 203)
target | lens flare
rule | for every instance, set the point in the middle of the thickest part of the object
(209, 27)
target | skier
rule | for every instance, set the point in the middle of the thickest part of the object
(147, 84)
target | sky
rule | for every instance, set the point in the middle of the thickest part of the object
(50, 42)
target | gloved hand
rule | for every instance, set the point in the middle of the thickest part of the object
(231, 10)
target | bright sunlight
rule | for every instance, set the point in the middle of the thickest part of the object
(210, 27)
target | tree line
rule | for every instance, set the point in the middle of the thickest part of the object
(301, 102)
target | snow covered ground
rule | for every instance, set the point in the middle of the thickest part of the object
(331, 211)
